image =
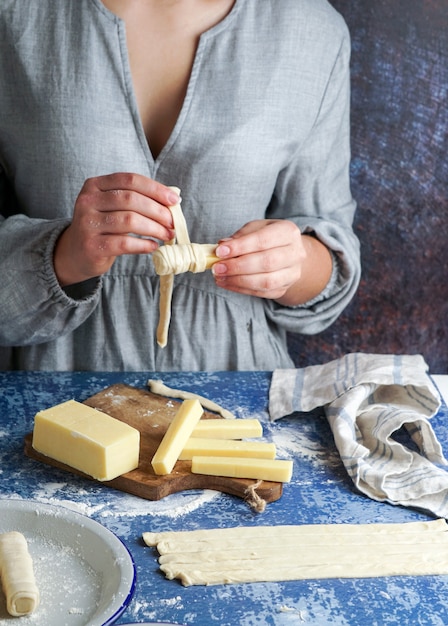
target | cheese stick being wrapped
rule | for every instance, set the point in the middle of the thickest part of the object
(17, 575)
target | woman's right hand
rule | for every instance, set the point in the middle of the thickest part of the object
(109, 210)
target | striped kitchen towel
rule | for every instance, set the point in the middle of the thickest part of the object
(378, 407)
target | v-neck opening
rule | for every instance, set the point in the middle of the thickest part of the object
(131, 95)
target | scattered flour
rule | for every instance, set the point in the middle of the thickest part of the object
(289, 440)
(122, 505)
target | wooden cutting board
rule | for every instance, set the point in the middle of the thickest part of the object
(151, 414)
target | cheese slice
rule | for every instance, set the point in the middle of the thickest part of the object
(177, 435)
(238, 467)
(198, 446)
(228, 429)
(86, 439)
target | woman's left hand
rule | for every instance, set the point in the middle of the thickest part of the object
(272, 259)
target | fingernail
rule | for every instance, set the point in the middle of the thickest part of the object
(222, 251)
(173, 198)
(219, 268)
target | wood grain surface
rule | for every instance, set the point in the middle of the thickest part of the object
(151, 414)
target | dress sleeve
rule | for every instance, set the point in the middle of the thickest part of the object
(314, 192)
(34, 307)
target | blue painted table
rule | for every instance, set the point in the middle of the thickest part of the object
(320, 492)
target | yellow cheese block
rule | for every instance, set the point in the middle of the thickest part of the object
(197, 446)
(238, 467)
(87, 440)
(177, 435)
(228, 429)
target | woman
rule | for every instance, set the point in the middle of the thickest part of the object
(243, 105)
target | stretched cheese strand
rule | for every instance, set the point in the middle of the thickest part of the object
(17, 576)
(157, 387)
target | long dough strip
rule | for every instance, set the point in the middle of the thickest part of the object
(266, 555)
(307, 553)
(308, 557)
(177, 256)
(370, 566)
(168, 548)
(166, 292)
(17, 576)
(287, 532)
(157, 387)
(167, 282)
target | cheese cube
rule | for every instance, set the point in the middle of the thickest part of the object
(228, 429)
(197, 446)
(259, 469)
(175, 438)
(87, 440)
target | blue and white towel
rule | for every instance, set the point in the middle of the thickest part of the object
(367, 399)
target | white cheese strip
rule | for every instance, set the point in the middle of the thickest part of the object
(280, 553)
(86, 439)
(17, 575)
(175, 438)
(223, 429)
(238, 467)
(157, 387)
(197, 446)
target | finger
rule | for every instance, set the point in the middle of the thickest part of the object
(127, 222)
(130, 192)
(265, 262)
(123, 211)
(271, 285)
(138, 183)
(257, 236)
(111, 246)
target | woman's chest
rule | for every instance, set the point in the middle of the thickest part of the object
(239, 122)
(162, 39)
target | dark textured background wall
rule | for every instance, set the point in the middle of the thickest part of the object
(400, 181)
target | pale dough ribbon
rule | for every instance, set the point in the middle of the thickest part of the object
(167, 281)
(177, 256)
(247, 554)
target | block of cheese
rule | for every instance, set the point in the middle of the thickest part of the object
(177, 435)
(200, 446)
(86, 439)
(238, 467)
(228, 429)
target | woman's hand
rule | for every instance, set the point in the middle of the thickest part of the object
(108, 212)
(272, 259)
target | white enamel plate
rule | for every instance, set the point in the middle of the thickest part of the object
(85, 574)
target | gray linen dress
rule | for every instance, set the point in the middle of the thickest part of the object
(263, 132)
